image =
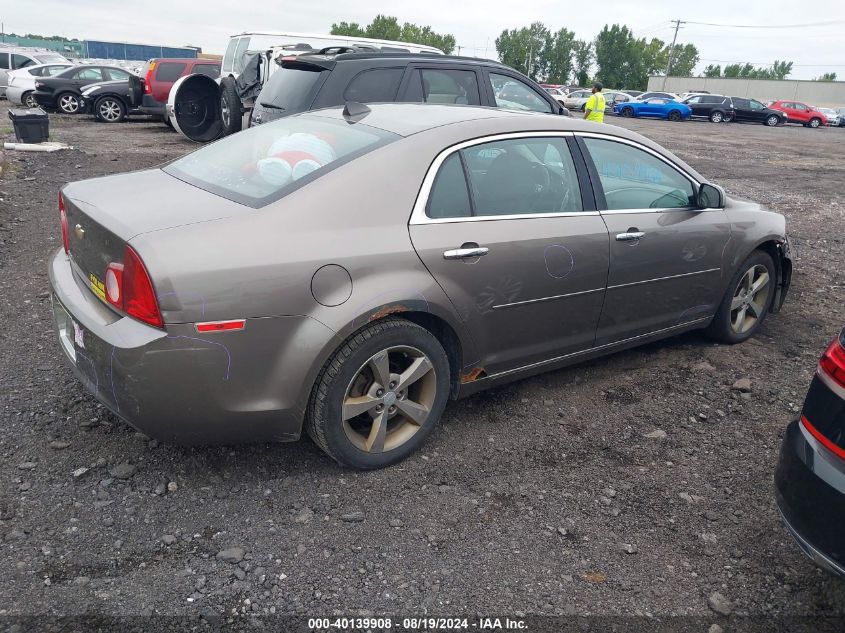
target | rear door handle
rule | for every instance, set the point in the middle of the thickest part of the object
(466, 253)
(630, 236)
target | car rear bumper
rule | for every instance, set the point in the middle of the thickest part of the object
(15, 95)
(152, 107)
(183, 387)
(810, 493)
(45, 99)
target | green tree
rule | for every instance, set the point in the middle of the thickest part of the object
(386, 27)
(618, 55)
(826, 77)
(781, 70)
(349, 29)
(583, 60)
(559, 52)
(684, 59)
(526, 49)
(713, 71)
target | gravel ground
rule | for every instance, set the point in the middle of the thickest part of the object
(640, 483)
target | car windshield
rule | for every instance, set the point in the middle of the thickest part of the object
(266, 162)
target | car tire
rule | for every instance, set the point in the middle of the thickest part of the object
(231, 111)
(674, 115)
(627, 112)
(67, 102)
(772, 120)
(729, 117)
(109, 109)
(717, 117)
(742, 310)
(815, 122)
(28, 100)
(367, 440)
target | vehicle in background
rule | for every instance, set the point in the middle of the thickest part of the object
(429, 209)
(654, 107)
(22, 82)
(158, 76)
(311, 81)
(633, 93)
(716, 108)
(577, 99)
(62, 91)
(841, 114)
(612, 97)
(691, 93)
(798, 112)
(660, 95)
(15, 58)
(259, 53)
(753, 111)
(111, 101)
(832, 116)
(557, 94)
(810, 475)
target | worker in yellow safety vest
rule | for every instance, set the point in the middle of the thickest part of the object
(594, 108)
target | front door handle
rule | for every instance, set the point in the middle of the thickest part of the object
(466, 253)
(630, 236)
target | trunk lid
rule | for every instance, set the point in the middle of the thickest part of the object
(103, 214)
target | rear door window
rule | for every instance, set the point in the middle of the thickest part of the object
(375, 85)
(169, 71)
(240, 61)
(292, 87)
(4, 61)
(449, 195)
(89, 74)
(430, 85)
(117, 74)
(266, 162)
(229, 56)
(209, 70)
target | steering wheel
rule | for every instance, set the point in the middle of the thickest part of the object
(541, 181)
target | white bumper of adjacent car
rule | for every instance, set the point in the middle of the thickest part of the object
(14, 94)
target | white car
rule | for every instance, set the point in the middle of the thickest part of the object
(21, 88)
(831, 115)
(577, 100)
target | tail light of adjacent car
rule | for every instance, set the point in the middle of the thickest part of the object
(63, 220)
(832, 362)
(130, 290)
(148, 79)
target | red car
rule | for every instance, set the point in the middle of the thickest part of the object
(160, 74)
(797, 112)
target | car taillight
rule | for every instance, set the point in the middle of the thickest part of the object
(63, 219)
(832, 362)
(148, 85)
(129, 289)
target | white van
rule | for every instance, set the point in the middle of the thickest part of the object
(203, 109)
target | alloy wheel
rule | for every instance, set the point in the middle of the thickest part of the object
(716, 117)
(814, 123)
(772, 121)
(389, 399)
(225, 114)
(750, 299)
(29, 100)
(109, 110)
(68, 104)
(674, 115)
(627, 112)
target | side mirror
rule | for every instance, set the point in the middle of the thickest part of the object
(564, 112)
(710, 197)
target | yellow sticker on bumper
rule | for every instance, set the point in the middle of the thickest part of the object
(97, 286)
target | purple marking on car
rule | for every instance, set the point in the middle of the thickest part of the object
(202, 340)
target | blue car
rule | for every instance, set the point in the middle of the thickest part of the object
(655, 107)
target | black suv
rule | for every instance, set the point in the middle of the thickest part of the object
(332, 77)
(752, 111)
(714, 107)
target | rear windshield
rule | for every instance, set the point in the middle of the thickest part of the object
(46, 59)
(266, 162)
(292, 87)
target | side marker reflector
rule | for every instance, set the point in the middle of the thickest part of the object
(221, 326)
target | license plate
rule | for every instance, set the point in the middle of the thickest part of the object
(67, 329)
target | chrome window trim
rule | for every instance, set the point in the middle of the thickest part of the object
(608, 137)
(418, 215)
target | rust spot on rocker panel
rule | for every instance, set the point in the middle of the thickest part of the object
(473, 374)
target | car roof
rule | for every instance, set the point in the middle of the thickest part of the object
(398, 56)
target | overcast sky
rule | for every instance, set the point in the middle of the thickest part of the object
(475, 24)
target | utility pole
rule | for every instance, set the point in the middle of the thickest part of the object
(672, 50)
